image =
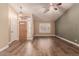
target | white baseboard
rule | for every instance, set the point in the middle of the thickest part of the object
(29, 38)
(68, 41)
(44, 35)
(5, 47)
(11, 41)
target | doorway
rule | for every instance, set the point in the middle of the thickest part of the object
(22, 31)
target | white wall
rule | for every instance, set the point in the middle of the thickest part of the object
(29, 28)
(13, 25)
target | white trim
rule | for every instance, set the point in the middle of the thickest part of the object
(43, 35)
(5, 47)
(28, 38)
(68, 41)
(11, 41)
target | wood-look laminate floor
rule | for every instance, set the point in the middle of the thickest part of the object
(43, 46)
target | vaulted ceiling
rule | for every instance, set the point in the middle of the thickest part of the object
(46, 11)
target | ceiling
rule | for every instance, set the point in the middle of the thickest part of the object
(42, 10)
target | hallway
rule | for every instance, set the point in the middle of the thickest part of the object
(39, 29)
(41, 46)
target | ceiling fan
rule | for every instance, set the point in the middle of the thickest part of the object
(52, 6)
(55, 5)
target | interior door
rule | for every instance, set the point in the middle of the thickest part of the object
(22, 31)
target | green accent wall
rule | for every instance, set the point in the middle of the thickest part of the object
(67, 26)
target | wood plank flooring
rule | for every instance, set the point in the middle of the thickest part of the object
(41, 46)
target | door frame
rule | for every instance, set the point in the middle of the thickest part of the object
(25, 29)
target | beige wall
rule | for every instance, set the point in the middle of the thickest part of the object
(37, 21)
(4, 25)
(68, 25)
